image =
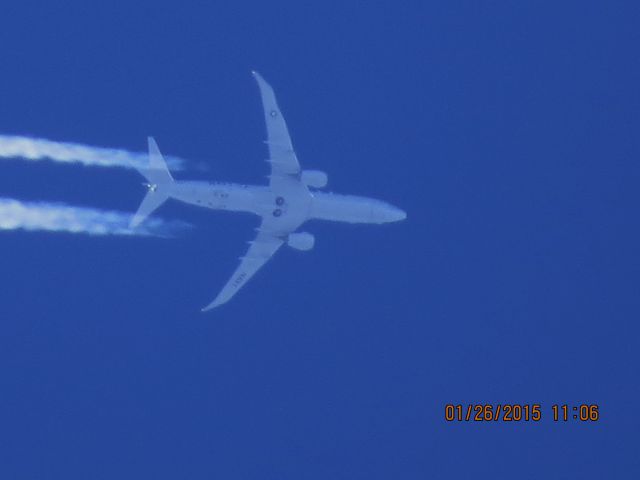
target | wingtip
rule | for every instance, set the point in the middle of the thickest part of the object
(211, 306)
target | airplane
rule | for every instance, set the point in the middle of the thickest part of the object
(290, 199)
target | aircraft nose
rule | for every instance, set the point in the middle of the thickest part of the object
(399, 214)
(393, 214)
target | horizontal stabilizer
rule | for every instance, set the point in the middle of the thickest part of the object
(149, 204)
(157, 172)
(159, 184)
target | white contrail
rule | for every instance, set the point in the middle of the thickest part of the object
(17, 215)
(12, 146)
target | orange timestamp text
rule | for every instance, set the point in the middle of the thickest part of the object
(519, 412)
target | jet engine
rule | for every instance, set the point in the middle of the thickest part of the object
(314, 178)
(301, 241)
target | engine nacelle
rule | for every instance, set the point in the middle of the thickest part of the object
(314, 178)
(301, 241)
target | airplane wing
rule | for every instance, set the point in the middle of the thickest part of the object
(285, 181)
(268, 241)
(282, 157)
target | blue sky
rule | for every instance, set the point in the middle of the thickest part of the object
(506, 130)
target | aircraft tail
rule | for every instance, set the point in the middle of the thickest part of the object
(159, 182)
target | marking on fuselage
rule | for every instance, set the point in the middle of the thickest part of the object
(239, 279)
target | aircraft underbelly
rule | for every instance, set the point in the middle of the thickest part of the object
(341, 208)
(283, 206)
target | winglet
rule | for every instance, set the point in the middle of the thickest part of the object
(212, 305)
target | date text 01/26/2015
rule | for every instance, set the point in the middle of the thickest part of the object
(516, 412)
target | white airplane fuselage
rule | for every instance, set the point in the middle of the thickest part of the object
(290, 198)
(261, 201)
